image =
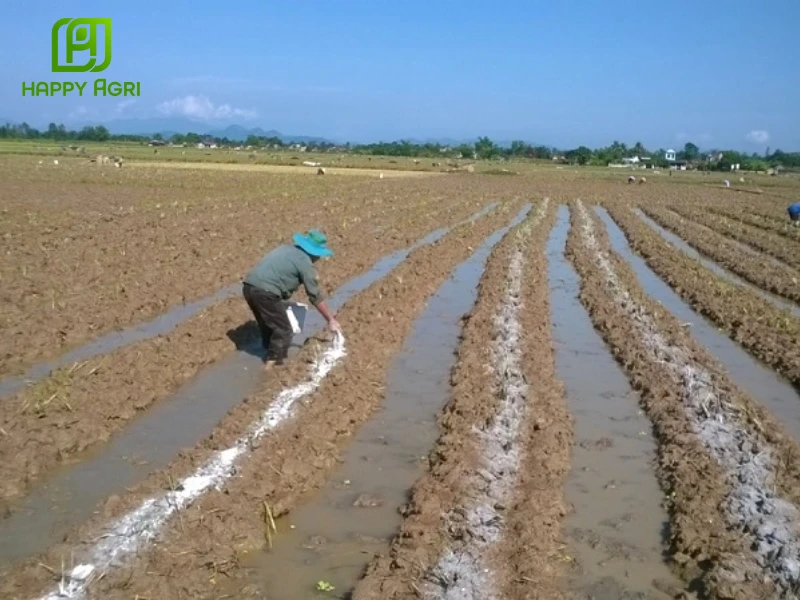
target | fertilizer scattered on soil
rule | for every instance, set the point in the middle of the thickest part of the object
(711, 265)
(337, 532)
(751, 506)
(127, 535)
(152, 440)
(616, 530)
(759, 381)
(461, 571)
(528, 554)
(70, 495)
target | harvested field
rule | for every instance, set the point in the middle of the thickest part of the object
(749, 373)
(758, 216)
(354, 391)
(299, 170)
(502, 418)
(385, 456)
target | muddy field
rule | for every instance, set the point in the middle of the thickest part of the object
(89, 251)
(85, 402)
(549, 386)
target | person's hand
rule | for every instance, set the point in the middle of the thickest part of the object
(334, 326)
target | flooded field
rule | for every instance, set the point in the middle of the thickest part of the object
(617, 530)
(548, 386)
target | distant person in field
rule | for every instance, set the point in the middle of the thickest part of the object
(794, 213)
(273, 281)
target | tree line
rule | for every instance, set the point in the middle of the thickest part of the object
(483, 148)
(712, 160)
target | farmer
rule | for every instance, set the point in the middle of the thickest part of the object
(794, 213)
(274, 279)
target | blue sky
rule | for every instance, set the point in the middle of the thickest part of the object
(558, 73)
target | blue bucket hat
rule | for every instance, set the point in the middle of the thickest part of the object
(314, 242)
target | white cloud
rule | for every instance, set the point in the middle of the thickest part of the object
(758, 136)
(80, 111)
(122, 106)
(200, 107)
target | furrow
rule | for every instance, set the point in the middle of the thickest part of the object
(753, 215)
(749, 265)
(56, 421)
(78, 267)
(722, 458)
(767, 332)
(375, 226)
(463, 570)
(766, 242)
(484, 522)
(212, 532)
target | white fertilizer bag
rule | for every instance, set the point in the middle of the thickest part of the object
(296, 311)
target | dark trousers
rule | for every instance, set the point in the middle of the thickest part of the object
(270, 313)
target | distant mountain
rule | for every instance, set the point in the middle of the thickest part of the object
(453, 142)
(169, 127)
(441, 141)
(239, 133)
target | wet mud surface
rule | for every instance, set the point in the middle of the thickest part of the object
(751, 375)
(90, 250)
(209, 537)
(757, 216)
(334, 534)
(727, 259)
(153, 439)
(715, 557)
(768, 242)
(109, 342)
(616, 530)
(54, 422)
(770, 334)
(439, 520)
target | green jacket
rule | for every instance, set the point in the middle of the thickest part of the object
(283, 270)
